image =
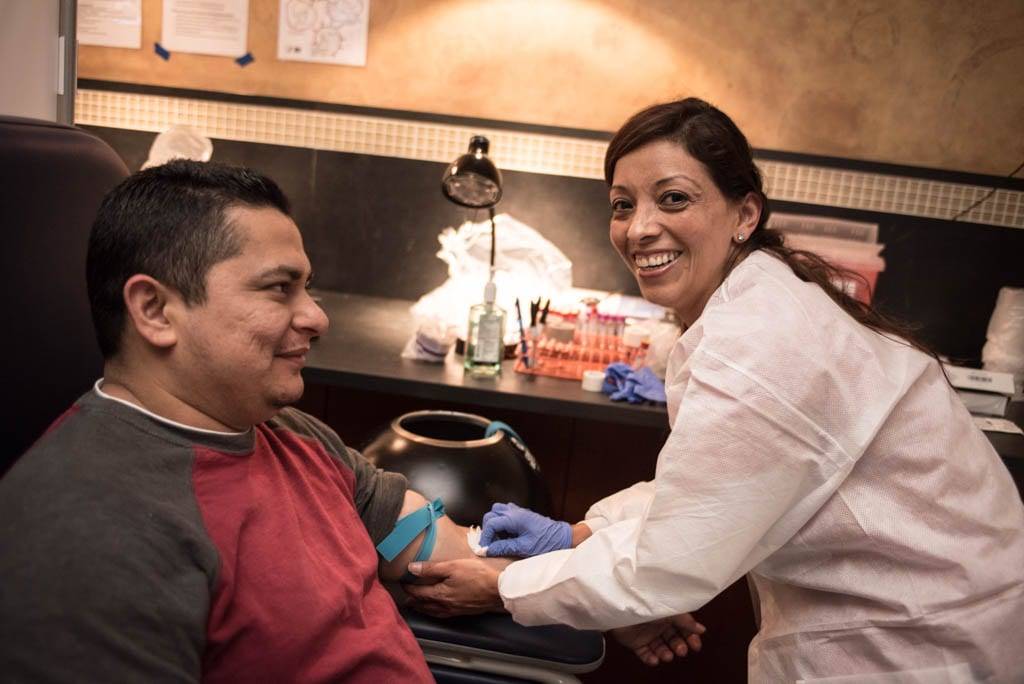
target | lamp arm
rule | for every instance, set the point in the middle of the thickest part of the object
(493, 238)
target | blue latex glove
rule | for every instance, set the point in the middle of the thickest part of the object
(622, 383)
(626, 391)
(649, 386)
(615, 377)
(510, 530)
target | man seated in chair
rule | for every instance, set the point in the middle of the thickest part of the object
(178, 522)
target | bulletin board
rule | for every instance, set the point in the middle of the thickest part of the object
(265, 75)
(852, 82)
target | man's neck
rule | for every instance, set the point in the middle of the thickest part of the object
(160, 399)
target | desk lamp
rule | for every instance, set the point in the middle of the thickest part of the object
(473, 181)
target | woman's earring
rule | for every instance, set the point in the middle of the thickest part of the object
(740, 237)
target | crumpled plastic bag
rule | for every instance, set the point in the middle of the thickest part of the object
(179, 142)
(527, 266)
(431, 342)
(1004, 346)
(623, 383)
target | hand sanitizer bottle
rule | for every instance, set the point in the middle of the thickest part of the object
(485, 338)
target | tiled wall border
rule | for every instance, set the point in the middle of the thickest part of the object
(521, 151)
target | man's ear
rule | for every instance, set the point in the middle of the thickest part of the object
(146, 301)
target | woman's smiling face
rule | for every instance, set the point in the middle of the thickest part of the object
(672, 226)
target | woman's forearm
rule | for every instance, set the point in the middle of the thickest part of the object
(580, 533)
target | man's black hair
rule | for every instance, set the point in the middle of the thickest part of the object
(168, 222)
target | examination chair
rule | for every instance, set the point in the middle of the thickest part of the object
(469, 462)
(52, 178)
(491, 648)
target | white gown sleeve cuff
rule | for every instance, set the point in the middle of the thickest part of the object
(519, 582)
(596, 523)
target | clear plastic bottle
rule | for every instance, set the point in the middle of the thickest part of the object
(635, 342)
(485, 336)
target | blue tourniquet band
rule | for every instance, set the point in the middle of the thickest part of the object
(496, 425)
(408, 527)
(516, 441)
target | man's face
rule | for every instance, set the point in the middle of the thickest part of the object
(239, 354)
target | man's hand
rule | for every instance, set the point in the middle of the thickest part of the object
(661, 640)
(460, 587)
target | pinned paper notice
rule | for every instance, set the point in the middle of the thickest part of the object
(328, 31)
(208, 27)
(110, 23)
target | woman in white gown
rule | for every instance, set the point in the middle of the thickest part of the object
(813, 447)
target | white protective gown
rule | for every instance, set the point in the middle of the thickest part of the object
(883, 535)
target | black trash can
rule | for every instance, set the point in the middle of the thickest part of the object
(448, 454)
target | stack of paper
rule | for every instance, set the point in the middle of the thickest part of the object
(983, 392)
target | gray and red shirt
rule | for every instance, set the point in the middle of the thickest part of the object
(136, 549)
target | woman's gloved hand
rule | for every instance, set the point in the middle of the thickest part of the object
(510, 530)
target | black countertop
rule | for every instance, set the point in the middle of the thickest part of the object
(362, 350)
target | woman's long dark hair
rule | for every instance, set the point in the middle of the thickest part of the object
(712, 138)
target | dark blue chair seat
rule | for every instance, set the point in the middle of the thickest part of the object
(497, 638)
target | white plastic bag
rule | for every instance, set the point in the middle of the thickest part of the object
(527, 265)
(179, 142)
(431, 342)
(1004, 348)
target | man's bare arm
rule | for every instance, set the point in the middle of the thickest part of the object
(466, 587)
(450, 542)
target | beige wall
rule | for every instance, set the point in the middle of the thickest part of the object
(923, 82)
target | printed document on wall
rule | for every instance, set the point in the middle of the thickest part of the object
(110, 23)
(208, 27)
(328, 31)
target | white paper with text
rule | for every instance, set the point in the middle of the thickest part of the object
(208, 27)
(327, 31)
(110, 23)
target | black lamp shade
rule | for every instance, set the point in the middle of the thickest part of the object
(473, 180)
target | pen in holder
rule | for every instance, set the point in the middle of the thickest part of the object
(525, 350)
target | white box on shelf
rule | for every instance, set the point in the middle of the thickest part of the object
(980, 380)
(984, 403)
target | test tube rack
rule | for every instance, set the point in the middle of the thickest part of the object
(568, 360)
